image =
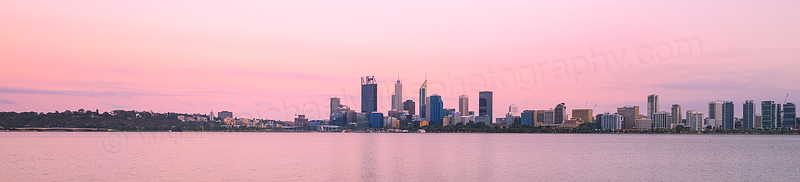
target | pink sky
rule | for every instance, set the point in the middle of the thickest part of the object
(272, 60)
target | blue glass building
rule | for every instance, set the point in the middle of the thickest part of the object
(376, 120)
(437, 110)
(369, 94)
(527, 118)
(789, 115)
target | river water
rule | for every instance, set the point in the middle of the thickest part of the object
(219, 156)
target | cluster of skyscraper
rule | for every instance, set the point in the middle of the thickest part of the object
(431, 111)
(403, 113)
(720, 116)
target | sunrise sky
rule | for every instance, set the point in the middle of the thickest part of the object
(275, 59)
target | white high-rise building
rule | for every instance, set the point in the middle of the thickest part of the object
(611, 121)
(423, 93)
(652, 105)
(715, 113)
(513, 109)
(397, 98)
(694, 119)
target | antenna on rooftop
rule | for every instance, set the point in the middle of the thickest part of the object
(786, 99)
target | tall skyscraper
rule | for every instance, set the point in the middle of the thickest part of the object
(369, 94)
(423, 93)
(695, 120)
(630, 114)
(715, 113)
(677, 115)
(789, 116)
(409, 106)
(335, 103)
(436, 110)
(427, 108)
(769, 115)
(463, 105)
(485, 104)
(728, 122)
(397, 97)
(560, 113)
(748, 115)
(652, 105)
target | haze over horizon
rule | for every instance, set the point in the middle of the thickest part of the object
(275, 59)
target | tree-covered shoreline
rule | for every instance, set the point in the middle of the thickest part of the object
(117, 120)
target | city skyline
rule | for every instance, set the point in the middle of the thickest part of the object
(256, 59)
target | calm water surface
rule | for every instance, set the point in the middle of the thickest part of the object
(142, 156)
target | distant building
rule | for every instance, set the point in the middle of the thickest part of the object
(721, 112)
(728, 121)
(758, 121)
(769, 115)
(463, 105)
(630, 114)
(609, 121)
(644, 124)
(528, 118)
(397, 97)
(436, 110)
(362, 119)
(409, 106)
(406, 121)
(539, 117)
(748, 115)
(396, 114)
(369, 94)
(549, 117)
(423, 123)
(423, 91)
(391, 122)
(560, 113)
(660, 120)
(335, 104)
(376, 120)
(427, 115)
(513, 109)
(694, 119)
(789, 116)
(210, 115)
(483, 120)
(509, 120)
(224, 114)
(584, 114)
(485, 104)
(301, 120)
(572, 123)
(677, 115)
(652, 105)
